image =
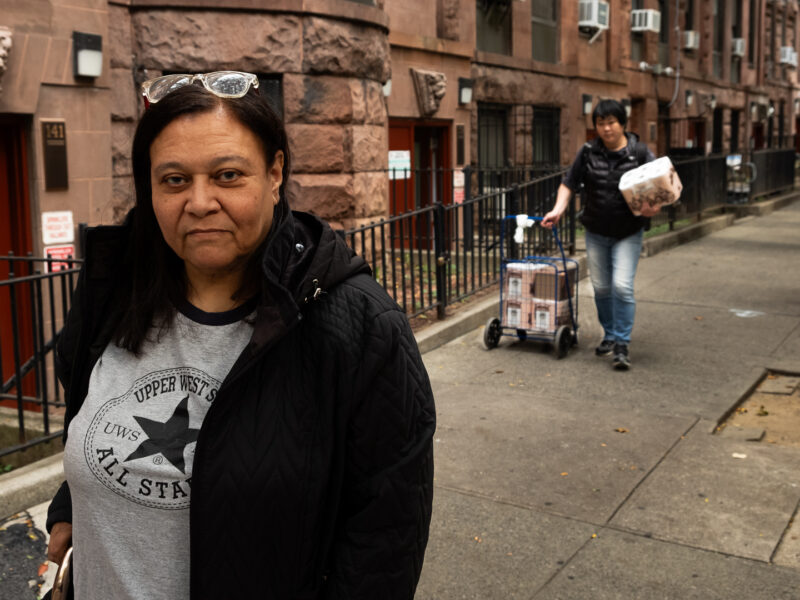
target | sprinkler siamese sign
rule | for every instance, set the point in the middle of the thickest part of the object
(57, 227)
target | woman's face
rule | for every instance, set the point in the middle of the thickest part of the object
(610, 131)
(213, 193)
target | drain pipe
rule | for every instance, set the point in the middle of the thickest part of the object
(678, 56)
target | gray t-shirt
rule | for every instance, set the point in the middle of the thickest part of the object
(128, 457)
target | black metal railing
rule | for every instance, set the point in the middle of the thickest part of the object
(35, 295)
(774, 171)
(432, 256)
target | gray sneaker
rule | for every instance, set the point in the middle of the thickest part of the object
(621, 360)
(605, 348)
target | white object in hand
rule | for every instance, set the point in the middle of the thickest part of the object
(654, 184)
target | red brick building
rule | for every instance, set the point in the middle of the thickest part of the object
(360, 81)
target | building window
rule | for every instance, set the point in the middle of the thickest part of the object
(492, 136)
(493, 25)
(751, 34)
(719, 37)
(736, 22)
(637, 37)
(546, 126)
(544, 30)
(663, 34)
(689, 22)
(734, 131)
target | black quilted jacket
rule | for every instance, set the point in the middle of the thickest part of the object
(313, 470)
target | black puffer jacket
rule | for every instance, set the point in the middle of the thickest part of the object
(313, 470)
(605, 211)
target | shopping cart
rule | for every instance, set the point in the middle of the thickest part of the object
(538, 295)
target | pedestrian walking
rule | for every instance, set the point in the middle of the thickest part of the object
(613, 233)
(248, 414)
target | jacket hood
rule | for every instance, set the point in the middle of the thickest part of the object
(302, 259)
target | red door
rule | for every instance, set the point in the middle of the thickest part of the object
(15, 236)
(421, 152)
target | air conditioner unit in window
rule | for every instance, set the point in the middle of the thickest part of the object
(691, 40)
(786, 55)
(738, 47)
(646, 20)
(592, 14)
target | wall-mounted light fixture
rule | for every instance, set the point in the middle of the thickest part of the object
(689, 98)
(626, 103)
(586, 104)
(770, 110)
(387, 88)
(753, 111)
(711, 102)
(797, 105)
(465, 90)
(87, 52)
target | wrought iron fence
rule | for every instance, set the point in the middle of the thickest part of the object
(432, 256)
(35, 295)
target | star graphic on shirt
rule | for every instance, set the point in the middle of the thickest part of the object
(168, 439)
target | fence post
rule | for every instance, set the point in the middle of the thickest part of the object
(441, 259)
(467, 210)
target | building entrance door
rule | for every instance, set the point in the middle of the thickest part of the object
(15, 236)
(425, 148)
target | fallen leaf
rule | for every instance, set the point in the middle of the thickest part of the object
(509, 554)
(737, 455)
(771, 376)
(762, 412)
(499, 371)
(43, 568)
(603, 445)
(564, 474)
(621, 430)
(698, 318)
(594, 535)
(706, 500)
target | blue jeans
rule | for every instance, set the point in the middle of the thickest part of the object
(612, 266)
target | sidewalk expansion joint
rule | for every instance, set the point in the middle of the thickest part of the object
(651, 470)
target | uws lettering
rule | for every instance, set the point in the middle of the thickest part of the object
(141, 444)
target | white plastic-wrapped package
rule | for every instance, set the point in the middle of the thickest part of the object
(654, 184)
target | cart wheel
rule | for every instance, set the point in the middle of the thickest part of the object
(522, 335)
(563, 341)
(491, 333)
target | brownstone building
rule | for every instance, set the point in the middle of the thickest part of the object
(369, 85)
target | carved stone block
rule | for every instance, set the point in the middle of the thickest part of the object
(430, 87)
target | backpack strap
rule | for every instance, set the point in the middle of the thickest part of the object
(640, 150)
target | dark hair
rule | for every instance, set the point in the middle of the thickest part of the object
(609, 108)
(156, 281)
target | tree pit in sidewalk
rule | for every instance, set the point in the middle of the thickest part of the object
(770, 414)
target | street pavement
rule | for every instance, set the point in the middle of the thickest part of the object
(565, 479)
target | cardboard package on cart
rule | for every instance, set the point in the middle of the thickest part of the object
(547, 315)
(516, 313)
(550, 281)
(654, 184)
(519, 279)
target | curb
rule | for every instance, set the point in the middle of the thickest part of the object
(31, 485)
(670, 239)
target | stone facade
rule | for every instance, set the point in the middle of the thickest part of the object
(333, 58)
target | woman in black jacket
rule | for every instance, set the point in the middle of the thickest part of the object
(248, 414)
(613, 232)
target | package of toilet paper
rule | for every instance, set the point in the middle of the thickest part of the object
(654, 184)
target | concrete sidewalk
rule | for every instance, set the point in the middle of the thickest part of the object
(567, 479)
(537, 493)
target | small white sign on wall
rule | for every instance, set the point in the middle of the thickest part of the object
(399, 164)
(57, 227)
